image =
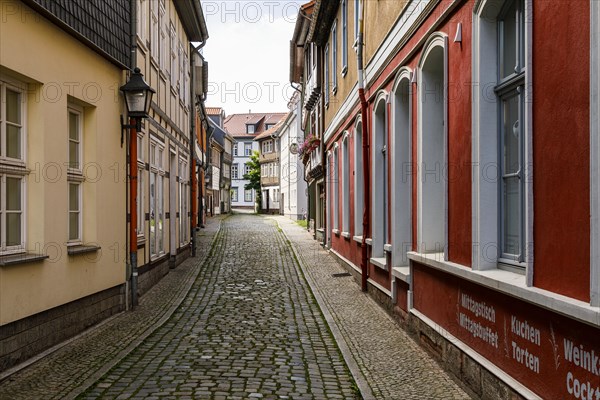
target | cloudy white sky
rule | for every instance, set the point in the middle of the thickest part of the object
(248, 53)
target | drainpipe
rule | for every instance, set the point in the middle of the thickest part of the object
(131, 199)
(193, 141)
(365, 137)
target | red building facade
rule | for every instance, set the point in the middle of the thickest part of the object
(483, 135)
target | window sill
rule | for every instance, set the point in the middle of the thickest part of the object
(369, 241)
(358, 239)
(402, 273)
(346, 235)
(81, 249)
(21, 258)
(344, 71)
(379, 262)
(513, 284)
(336, 232)
(387, 248)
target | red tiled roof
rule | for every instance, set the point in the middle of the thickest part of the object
(214, 110)
(272, 129)
(235, 124)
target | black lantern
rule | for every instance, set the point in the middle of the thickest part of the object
(138, 95)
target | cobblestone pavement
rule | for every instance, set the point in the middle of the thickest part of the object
(248, 328)
(80, 362)
(386, 362)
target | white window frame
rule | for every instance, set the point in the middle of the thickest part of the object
(140, 195)
(334, 58)
(15, 165)
(235, 149)
(248, 195)
(485, 143)
(79, 239)
(246, 168)
(346, 184)
(344, 37)
(75, 175)
(78, 111)
(142, 16)
(401, 168)
(183, 202)
(173, 73)
(327, 70)
(379, 176)
(358, 180)
(250, 129)
(234, 171)
(336, 189)
(247, 149)
(424, 241)
(158, 173)
(234, 194)
(154, 31)
(162, 57)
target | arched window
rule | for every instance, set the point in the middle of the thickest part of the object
(379, 156)
(432, 136)
(401, 169)
(346, 185)
(336, 188)
(359, 192)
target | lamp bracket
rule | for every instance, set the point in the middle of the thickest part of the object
(137, 126)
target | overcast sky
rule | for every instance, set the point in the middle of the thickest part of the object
(248, 54)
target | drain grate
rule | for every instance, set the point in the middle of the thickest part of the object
(341, 274)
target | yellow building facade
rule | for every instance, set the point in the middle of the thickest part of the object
(62, 194)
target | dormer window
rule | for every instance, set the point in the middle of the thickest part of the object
(269, 126)
(250, 128)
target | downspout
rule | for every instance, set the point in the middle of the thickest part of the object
(365, 137)
(299, 118)
(131, 197)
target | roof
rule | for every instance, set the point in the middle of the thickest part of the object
(299, 39)
(218, 134)
(272, 130)
(214, 110)
(235, 124)
(322, 20)
(192, 18)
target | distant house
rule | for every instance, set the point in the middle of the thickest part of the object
(268, 149)
(244, 128)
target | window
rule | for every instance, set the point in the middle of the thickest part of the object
(154, 30)
(501, 137)
(358, 179)
(511, 101)
(336, 188)
(234, 171)
(157, 217)
(250, 128)
(247, 149)
(74, 212)
(432, 134)
(162, 58)
(75, 172)
(235, 147)
(269, 126)
(184, 221)
(247, 195)
(326, 75)
(356, 20)
(267, 146)
(401, 170)
(142, 13)
(345, 184)
(334, 58)
(246, 169)
(11, 214)
(344, 37)
(140, 186)
(173, 57)
(75, 127)
(379, 209)
(234, 194)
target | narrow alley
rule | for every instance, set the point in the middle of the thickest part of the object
(248, 326)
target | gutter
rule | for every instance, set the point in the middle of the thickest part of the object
(365, 147)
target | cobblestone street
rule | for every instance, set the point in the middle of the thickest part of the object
(249, 327)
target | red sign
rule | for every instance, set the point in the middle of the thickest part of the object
(552, 355)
